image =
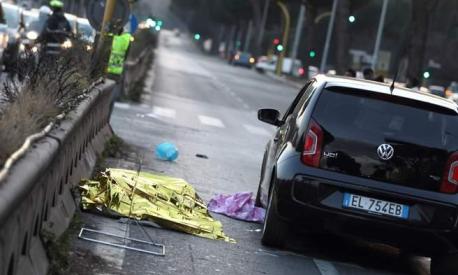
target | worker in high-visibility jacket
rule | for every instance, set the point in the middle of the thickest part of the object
(119, 50)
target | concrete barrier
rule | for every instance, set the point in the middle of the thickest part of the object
(136, 69)
(37, 194)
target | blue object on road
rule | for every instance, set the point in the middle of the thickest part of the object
(166, 151)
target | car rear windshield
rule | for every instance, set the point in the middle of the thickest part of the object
(354, 114)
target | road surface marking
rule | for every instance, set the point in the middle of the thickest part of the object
(164, 112)
(325, 267)
(211, 121)
(120, 105)
(256, 130)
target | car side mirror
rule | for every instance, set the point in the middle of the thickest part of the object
(270, 116)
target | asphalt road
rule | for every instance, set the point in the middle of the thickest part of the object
(206, 106)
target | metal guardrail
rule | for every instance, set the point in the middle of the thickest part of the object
(36, 195)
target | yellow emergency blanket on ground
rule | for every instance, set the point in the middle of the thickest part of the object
(169, 202)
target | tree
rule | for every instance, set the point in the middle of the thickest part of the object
(418, 35)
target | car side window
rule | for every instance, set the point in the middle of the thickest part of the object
(303, 102)
(296, 101)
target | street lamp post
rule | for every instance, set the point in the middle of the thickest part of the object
(263, 23)
(103, 46)
(287, 22)
(379, 34)
(297, 36)
(324, 59)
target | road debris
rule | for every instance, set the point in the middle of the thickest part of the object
(202, 156)
(166, 151)
(239, 205)
(170, 202)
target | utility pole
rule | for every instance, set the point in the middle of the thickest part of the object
(287, 23)
(103, 48)
(238, 39)
(246, 47)
(265, 13)
(378, 41)
(230, 42)
(297, 36)
(324, 59)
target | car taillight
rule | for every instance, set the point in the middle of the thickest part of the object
(313, 142)
(450, 178)
(301, 71)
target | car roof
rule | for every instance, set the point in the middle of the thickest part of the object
(83, 20)
(384, 88)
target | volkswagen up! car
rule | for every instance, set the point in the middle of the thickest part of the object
(364, 159)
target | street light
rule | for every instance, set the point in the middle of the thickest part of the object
(351, 19)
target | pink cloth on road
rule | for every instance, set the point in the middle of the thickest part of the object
(239, 205)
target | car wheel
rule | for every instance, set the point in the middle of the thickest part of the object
(273, 232)
(444, 264)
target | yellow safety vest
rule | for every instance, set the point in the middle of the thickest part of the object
(118, 53)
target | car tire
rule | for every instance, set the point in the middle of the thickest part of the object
(274, 229)
(444, 264)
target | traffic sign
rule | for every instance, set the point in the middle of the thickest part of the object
(96, 8)
(133, 24)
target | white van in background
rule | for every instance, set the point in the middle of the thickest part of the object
(294, 68)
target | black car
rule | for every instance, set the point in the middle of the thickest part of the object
(354, 158)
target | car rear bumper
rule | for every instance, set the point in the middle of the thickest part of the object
(317, 203)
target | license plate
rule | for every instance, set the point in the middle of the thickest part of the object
(376, 206)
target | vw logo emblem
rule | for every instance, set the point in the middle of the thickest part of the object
(385, 151)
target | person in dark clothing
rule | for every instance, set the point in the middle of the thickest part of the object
(350, 72)
(57, 28)
(380, 78)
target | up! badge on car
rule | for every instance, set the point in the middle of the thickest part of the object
(385, 151)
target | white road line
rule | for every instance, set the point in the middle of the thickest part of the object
(121, 105)
(164, 112)
(211, 121)
(256, 130)
(325, 267)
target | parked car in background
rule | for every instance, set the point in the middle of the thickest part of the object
(243, 59)
(269, 64)
(353, 157)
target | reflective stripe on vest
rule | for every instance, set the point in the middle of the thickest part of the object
(118, 53)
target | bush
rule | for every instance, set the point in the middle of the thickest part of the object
(49, 87)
